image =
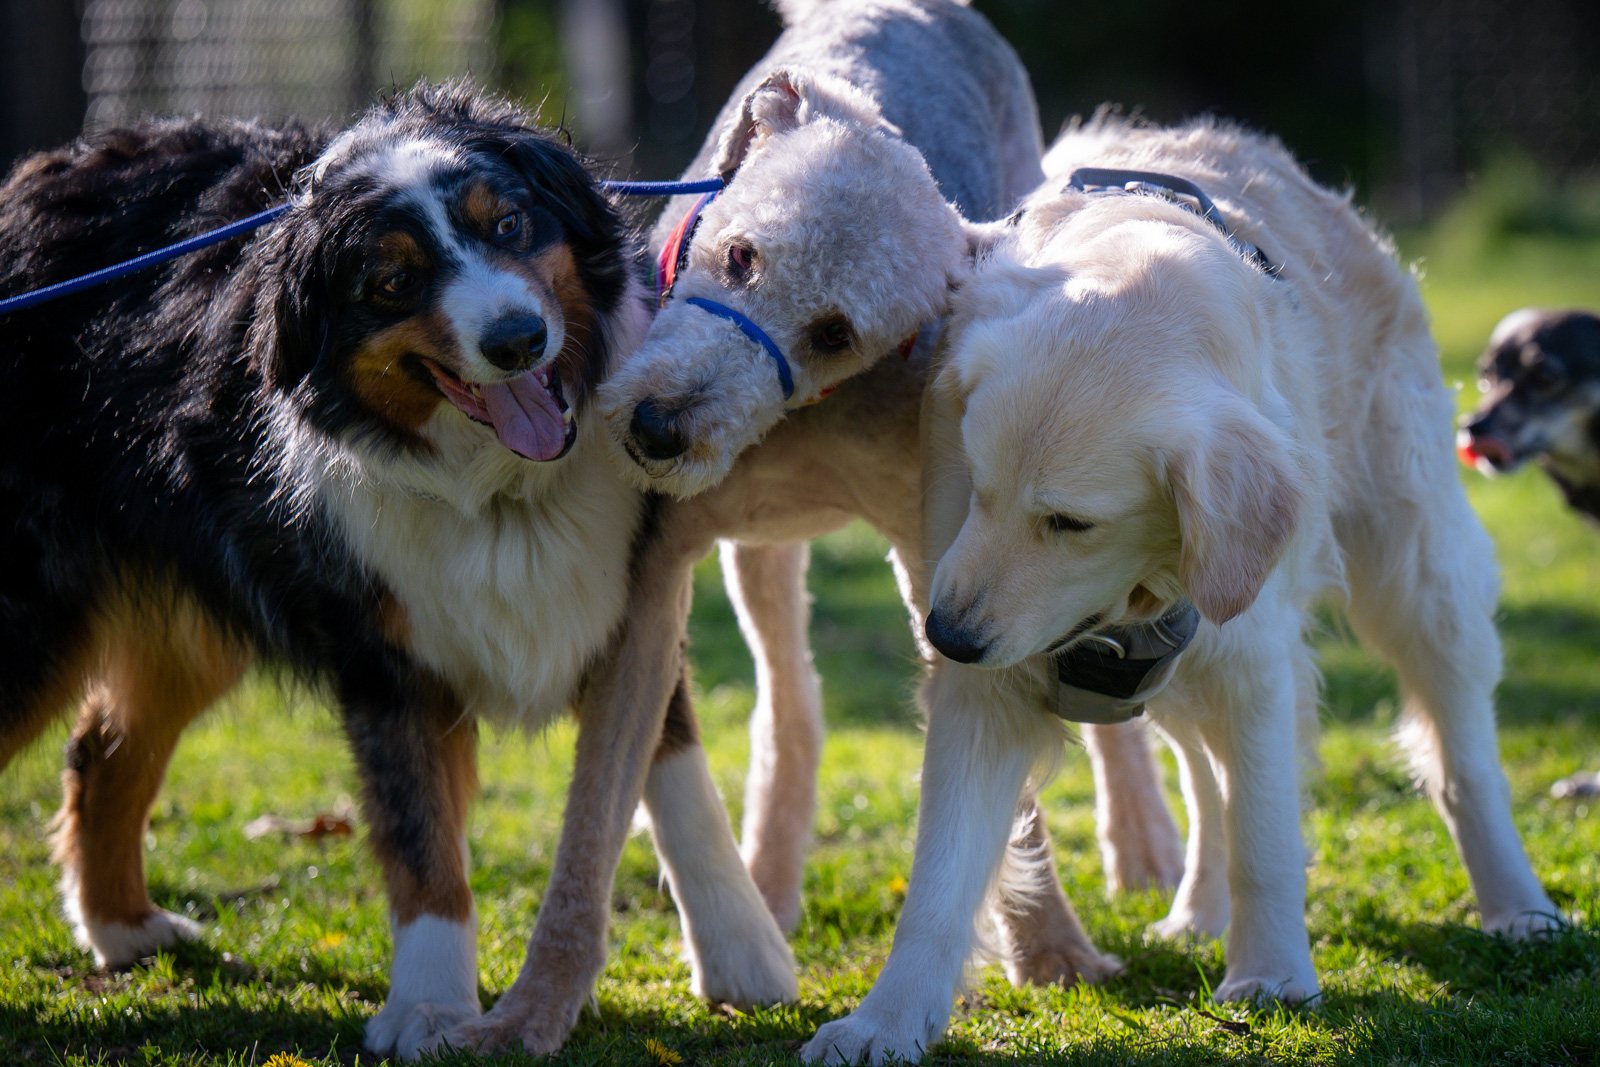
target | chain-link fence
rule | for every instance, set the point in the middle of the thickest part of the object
(313, 59)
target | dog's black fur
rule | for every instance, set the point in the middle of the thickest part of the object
(1540, 377)
(140, 427)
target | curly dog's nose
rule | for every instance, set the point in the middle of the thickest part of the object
(655, 431)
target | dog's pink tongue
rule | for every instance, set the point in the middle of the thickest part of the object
(526, 416)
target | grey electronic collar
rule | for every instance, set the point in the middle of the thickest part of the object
(1107, 676)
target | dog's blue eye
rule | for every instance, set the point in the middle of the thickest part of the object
(508, 225)
(1060, 523)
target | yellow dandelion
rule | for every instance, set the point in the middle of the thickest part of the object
(897, 886)
(286, 1059)
(661, 1053)
(330, 940)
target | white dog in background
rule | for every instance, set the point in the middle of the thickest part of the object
(1138, 411)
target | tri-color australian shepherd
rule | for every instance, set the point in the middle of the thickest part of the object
(352, 444)
(1540, 377)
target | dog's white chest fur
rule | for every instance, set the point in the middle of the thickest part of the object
(512, 574)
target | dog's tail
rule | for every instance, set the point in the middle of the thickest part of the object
(794, 11)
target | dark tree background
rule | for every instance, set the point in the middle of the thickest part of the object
(1402, 99)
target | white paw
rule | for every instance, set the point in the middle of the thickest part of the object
(1284, 990)
(1189, 923)
(407, 1029)
(867, 1036)
(121, 945)
(1533, 921)
(745, 963)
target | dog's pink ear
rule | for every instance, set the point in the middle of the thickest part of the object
(1238, 496)
(773, 107)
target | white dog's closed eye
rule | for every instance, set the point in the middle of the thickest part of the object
(1237, 492)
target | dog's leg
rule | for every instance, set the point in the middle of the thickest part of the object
(737, 954)
(1422, 594)
(620, 723)
(980, 749)
(1042, 941)
(158, 675)
(1200, 906)
(419, 770)
(1243, 689)
(767, 586)
(1139, 842)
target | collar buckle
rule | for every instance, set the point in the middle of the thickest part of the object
(1108, 675)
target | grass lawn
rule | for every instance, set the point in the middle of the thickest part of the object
(296, 942)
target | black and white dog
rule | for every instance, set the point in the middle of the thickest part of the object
(1540, 377)
(352, 445)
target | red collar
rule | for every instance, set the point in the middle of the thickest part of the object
(676, 251)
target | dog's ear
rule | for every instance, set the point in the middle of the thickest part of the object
(773, 107)
(1238, 493)
(787, 99)
(289, 332)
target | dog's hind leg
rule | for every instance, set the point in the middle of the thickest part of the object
(1422, 594)
(1042, 941)
(766, 584)
(161, 669)
(1139, 842)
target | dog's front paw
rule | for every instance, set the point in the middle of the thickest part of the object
(1538, 920)
(123, 944)
(1064, 963)
(746, 966)
(506, 1026)
(407, 1029)
(1187, 921)
(866, 1036)
(1289, 991)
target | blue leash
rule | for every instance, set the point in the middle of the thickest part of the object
(261, 218)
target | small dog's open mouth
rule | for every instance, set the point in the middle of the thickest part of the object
(529, 413)
(1489, 454)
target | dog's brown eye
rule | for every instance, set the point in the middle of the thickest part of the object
(508, 225)
(398, 282)
(832, 335)
(1060, 523)
(739, 258)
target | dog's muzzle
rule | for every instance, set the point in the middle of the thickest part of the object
(1106, 677)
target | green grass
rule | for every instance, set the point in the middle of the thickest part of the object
(296, 942)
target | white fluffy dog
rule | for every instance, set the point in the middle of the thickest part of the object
(1138, 412)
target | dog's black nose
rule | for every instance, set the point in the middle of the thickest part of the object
(655, 431)
(514, 341)
(953, 640)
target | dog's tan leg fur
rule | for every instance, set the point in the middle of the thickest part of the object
(159, 671)
(619, 726)
(1042, 941)
(767, 586)
(1139, 843)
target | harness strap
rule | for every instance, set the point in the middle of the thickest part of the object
(755, 333)
(1103, 180)
(675, 253)
(1107, 676)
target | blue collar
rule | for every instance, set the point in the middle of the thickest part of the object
(1101, 180)
(755, 333)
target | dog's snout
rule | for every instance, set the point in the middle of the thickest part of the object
(954, 638)
(655, 430)
(514, 341)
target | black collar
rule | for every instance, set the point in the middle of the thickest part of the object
(1107, 676)
(1173, 188)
